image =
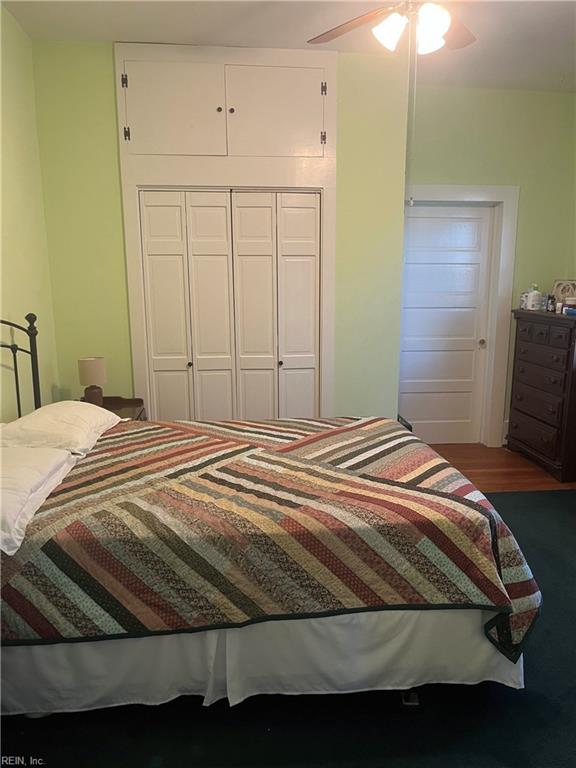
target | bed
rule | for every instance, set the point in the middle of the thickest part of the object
(229, 559)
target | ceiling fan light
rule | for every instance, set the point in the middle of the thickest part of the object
(389, 31)
(429, 43)
(433, 20)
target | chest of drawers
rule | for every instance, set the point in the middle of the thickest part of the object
(543, 408)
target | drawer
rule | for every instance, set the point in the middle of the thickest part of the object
(559, 336)
(541, 378)
(538, 333)
(540, 437)
(541, 355)
(540, 404)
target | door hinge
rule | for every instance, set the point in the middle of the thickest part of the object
(323, 88)
(322, 137)
(126, 133)
(124, 80)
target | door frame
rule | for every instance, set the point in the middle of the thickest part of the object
(504, 202)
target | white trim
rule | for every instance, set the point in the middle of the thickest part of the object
(504, 200)
(227, 172)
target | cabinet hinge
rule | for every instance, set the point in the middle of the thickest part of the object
(322, 137)
(124, 80)
(126, 133)
(323, 88)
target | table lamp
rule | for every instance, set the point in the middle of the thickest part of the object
(92, 373)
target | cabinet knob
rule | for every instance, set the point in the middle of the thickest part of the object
(280, 363)
(514, 425)
(555, 358)
(519, 397)
(523, 350)
(522, 369)
(231, 110)
(552, 379)
(551, 409)
(189, 364)
(218, 109)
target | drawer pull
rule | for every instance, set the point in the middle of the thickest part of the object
(514, 425)
(540, 333)
(552, 379)
(519, 398)
(555, 358)
(551, 410)
(559, 336)
(545, 440)
(522, 369)
(523, 330)
(523, 350)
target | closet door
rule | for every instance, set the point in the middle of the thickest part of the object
(165, 271)
(298, 303)
(210, 275)
(254, 231)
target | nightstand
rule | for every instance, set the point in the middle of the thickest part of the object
(126, 407)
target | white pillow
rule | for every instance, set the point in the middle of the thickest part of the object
(27, 477)
(71, 425)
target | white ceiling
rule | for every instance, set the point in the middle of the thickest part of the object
(520, 44)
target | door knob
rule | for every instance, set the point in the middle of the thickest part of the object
(280, 363)
(189, 365)
(482, 343)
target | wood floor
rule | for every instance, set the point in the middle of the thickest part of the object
(498, 469)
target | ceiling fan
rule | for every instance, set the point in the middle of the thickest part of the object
(434, 26)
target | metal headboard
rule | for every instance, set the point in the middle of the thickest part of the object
(31, 331)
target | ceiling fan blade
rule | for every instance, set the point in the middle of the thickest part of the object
(348, 26)
(458, 36)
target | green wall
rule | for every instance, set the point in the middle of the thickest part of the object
(24, 269)
(519, 138)
(464, 136)
(372, 110)
(77, 127)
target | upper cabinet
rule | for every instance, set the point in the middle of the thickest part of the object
(275, 111)
(175, 108)
(217, 108)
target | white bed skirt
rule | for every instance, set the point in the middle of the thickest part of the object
(340, 654)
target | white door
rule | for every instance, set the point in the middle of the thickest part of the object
(255, 294)
(275, 111)
(165, 270)
(175, 108)
(210, 274)
(444, 321)
(298, 217)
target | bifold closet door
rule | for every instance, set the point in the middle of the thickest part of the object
(254, 249)
(210, 276)
(298, 217)
(165, 270)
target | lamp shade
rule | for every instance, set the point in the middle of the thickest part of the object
(92, 371)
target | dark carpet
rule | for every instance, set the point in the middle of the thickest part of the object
(485, 726)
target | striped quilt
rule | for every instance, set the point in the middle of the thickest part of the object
(185, 526)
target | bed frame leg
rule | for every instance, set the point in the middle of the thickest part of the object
(410, 698)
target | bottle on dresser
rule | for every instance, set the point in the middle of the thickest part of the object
(534, 298)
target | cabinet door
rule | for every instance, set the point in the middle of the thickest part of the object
(278, 111)
(298, 303)
(210, 269)
(255, 304)
(172, 108)
(165, 273)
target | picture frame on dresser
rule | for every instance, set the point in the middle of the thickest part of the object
(542, 422)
